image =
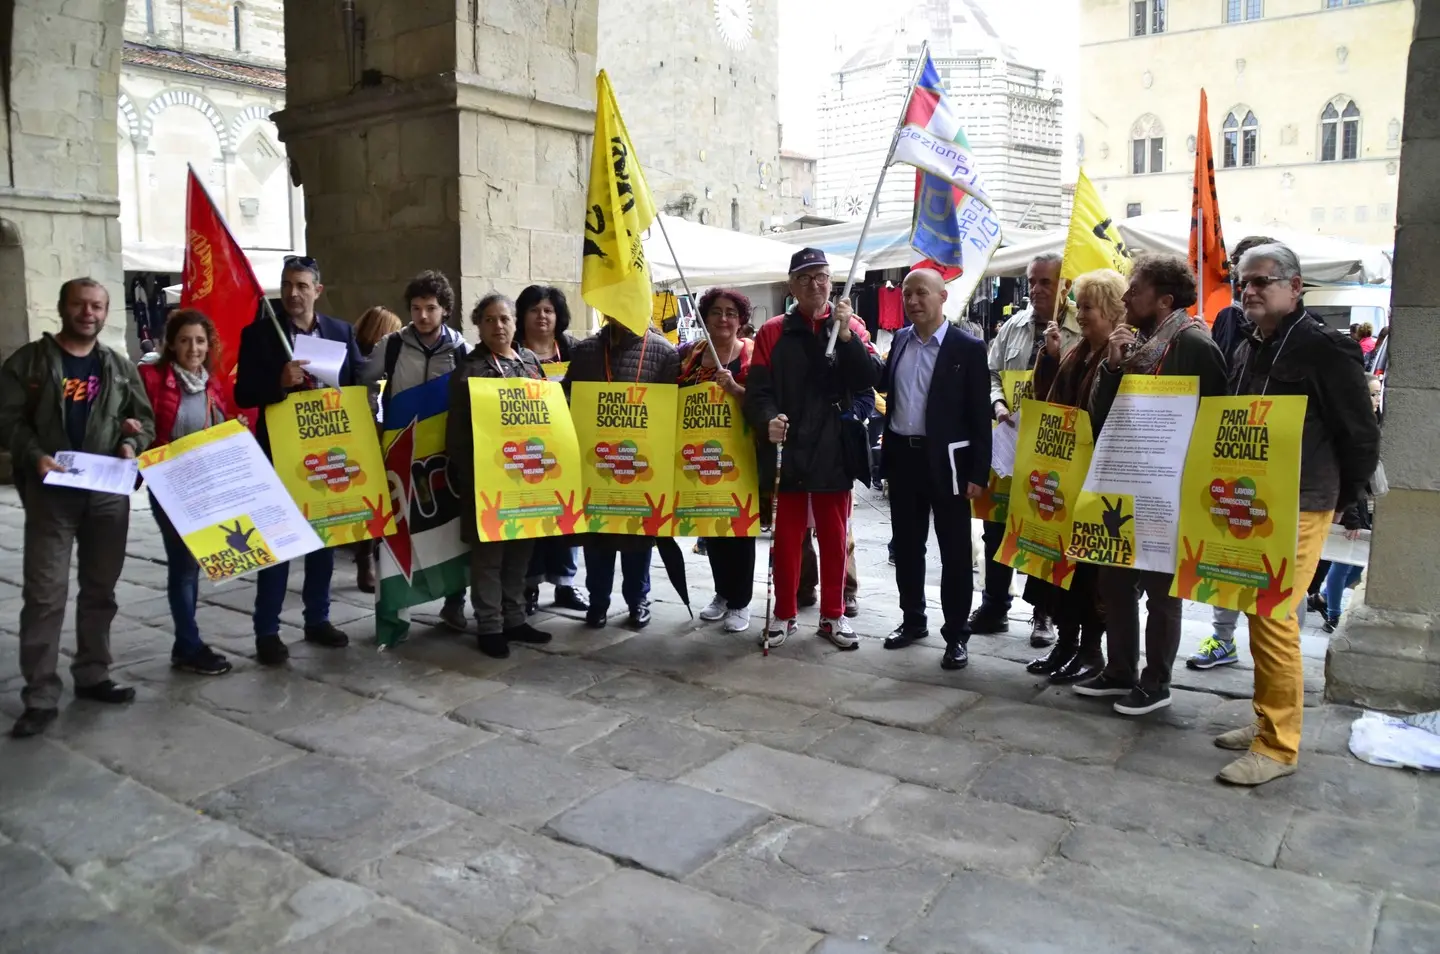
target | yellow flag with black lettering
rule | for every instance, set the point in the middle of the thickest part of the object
(615, 278)
(1094, 242)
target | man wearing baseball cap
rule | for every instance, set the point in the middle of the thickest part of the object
(798, 396)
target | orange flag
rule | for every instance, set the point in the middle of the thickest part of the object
(1207, 242)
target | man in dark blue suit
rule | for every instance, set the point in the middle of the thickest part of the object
(936, 455)
(265, 373)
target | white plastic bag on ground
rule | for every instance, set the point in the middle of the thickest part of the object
(1397, 743)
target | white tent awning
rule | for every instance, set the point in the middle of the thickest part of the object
(170, 259)
(711, 256)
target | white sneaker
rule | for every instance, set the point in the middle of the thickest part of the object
(737, 620)
(838, 631)
(715, 610)
(779, 631)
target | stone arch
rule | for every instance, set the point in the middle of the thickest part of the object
(185, 97)
(1148, 126)
(128, 116)
(252, 113)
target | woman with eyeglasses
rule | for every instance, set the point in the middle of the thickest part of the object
(732, 559)
(542, 325)
(186, 398)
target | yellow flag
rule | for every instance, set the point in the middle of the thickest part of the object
(1094, 241)
(615, 279)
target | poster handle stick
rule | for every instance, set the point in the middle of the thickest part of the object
(284, 338)
(879, 184)
(675, 260)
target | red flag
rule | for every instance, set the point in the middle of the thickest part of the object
(1207, 242)
(218, 278)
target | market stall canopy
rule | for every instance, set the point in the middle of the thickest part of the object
(1323, 260)
(711, 256)
(170, 259)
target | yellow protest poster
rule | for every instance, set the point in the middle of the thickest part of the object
(717, 488)
(627, 442)
(1051, 461)
(1240, 505)
(556, 370)
(993, 504)
(527, 463)
(226, 501)
(325, 449)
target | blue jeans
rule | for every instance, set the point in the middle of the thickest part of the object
(600, 574)
(552, 562)
(1339, 578)
(182, 585)
(270, 592)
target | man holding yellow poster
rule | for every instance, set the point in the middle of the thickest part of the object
(1157, 339)
(1050, 466)
(1298, 442)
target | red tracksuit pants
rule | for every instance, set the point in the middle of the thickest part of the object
(830, 514)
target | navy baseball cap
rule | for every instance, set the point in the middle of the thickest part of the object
(807, 258)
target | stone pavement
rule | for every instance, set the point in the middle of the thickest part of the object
(673, 791)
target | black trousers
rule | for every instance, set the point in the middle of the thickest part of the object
(914, 497)
(732, 563)
(998, 576)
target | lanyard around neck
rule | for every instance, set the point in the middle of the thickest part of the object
(644, 343)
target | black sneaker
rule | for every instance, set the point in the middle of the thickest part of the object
(1142, 701)
(33, 722)
(525, 633)
(494, 646)
(1041, 635)
(203, 662)
(595, 617)
(988, 622)
(106, 692)
(1329, 626)
(271, 651)
(567, 597)
(325, 634)
(640, 614)
(1103, 686)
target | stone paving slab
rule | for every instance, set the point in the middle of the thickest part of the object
(384, 928)
(669, 829)
(1354, 850)
(655, 748)
(386, 738)
(796, 786)
(1348, 788)
(479, 877)
(831, 881)
(1407, 927)
(657, 697)
(789, 680)
(924, 759)
(39, 892)
(1261, 909)
(515, 782)
(110, 933)
(675, 654)
(316, 906)
(768, 722)
(1098, 739)
(968, 832)
(1214, 818)
(638, 913)
(273, 700)
(330, 814)
(906, 704)
(541, 717)
(558, 675)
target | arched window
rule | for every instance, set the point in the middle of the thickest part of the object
(1147, 146)
(1240, 139)
(1340, 130)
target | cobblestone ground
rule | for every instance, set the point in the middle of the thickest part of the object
(673, 791)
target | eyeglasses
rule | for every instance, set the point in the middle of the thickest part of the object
(813, 278)
(1260, 282)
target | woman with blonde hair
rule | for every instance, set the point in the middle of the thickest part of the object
(1067, 379)
(372, 326)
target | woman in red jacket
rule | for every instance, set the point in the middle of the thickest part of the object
(186, 399)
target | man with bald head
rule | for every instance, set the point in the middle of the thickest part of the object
(936, 455)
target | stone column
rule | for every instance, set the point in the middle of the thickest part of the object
(59, 184)
(466, 149)
(1386, 653)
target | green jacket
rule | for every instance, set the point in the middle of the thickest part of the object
(32, 407)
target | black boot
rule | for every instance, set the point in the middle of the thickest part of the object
(1059, 656)
(532, 600)
(1088, 662)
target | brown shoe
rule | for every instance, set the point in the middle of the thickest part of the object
(1252, 769)
(1238, 739)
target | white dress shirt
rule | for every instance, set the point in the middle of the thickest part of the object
(913, 370)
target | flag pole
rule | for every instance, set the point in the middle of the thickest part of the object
(675, 259)
(1200, 259)
(879, 184)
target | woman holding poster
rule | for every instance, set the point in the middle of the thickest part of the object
(497, 569)
(541, 325)
(1068, 379)
(732, 559)
(186, 399)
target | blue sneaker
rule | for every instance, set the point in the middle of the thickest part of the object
(1214, 652)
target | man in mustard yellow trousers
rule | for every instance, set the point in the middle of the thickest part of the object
(1293, 352)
